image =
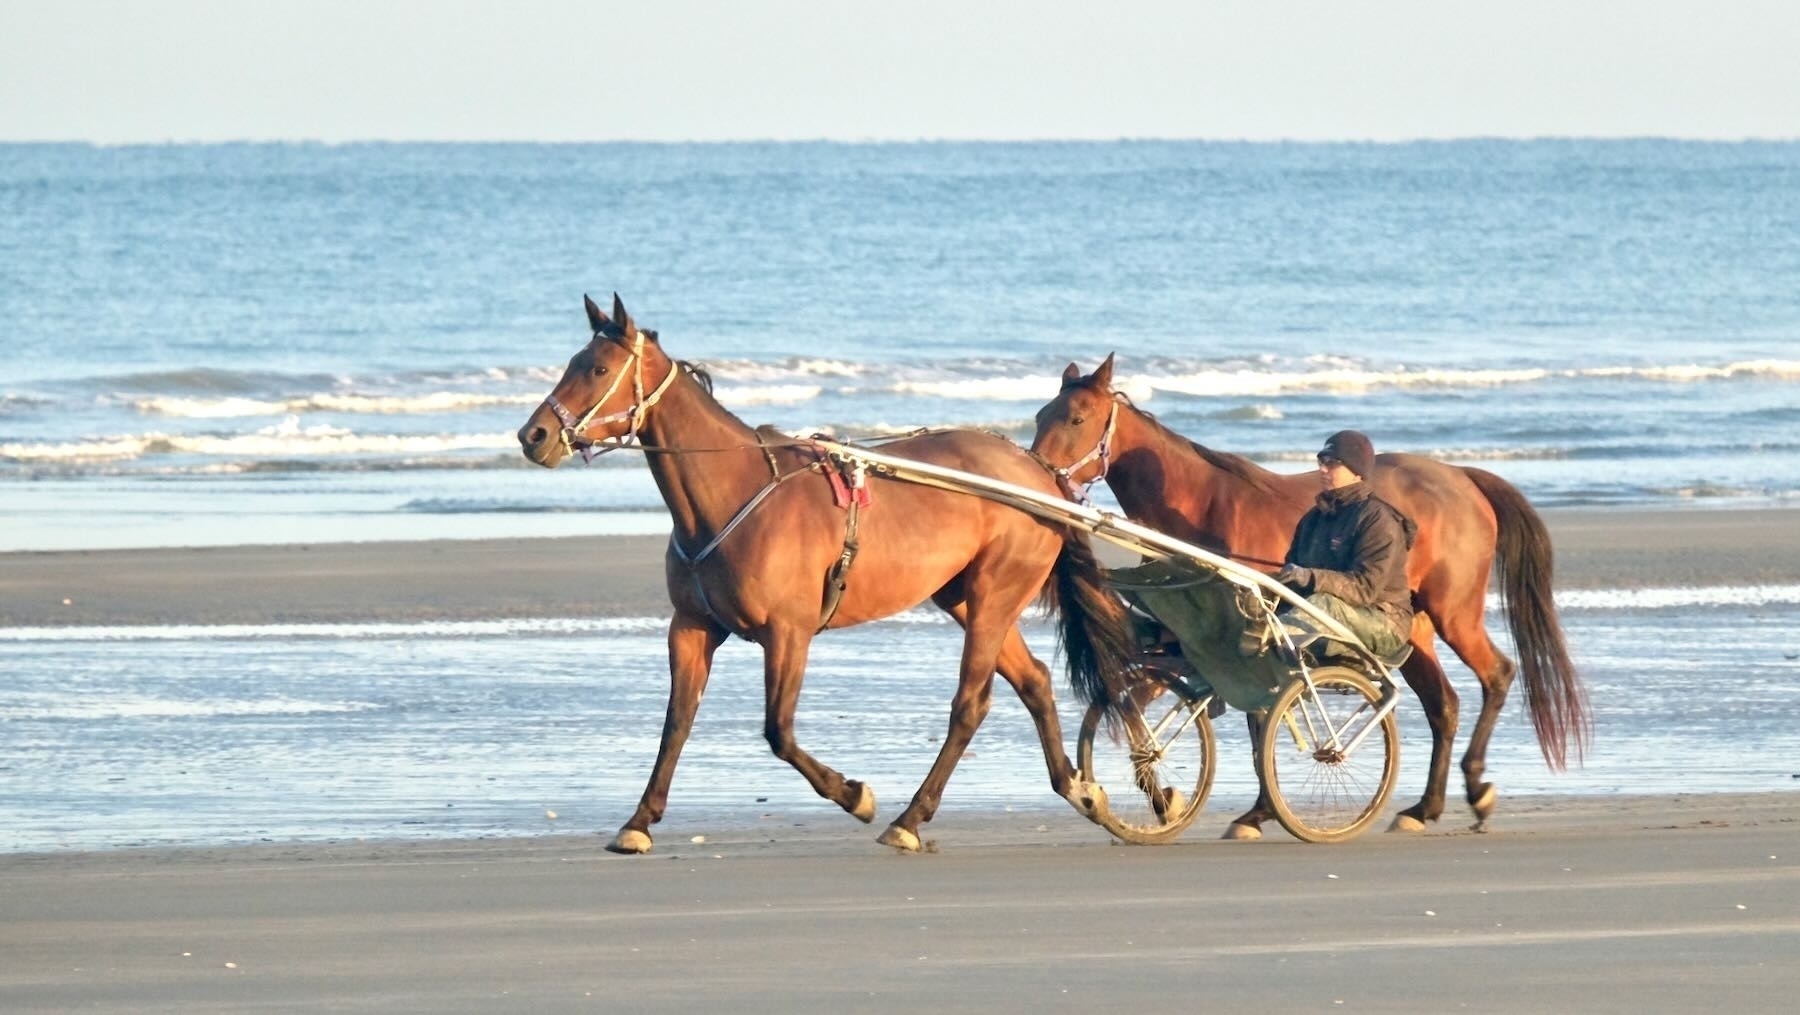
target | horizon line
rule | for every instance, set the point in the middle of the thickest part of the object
(920, 140)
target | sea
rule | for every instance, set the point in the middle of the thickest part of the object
(302, 343)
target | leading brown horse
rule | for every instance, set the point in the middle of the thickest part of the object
(760, 549)
(1470, 522)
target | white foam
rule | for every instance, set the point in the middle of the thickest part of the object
(374, 630)
(773, 394)
(1035, 388)
(287, 438)
(1664, 598)
(115, 706)
(1339, 376)
(393, 405)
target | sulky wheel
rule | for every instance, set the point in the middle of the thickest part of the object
(1320, 793)
(1156, 767)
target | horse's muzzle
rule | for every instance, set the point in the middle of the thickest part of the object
(540, 443)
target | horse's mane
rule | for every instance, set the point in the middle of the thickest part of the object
(1226, 462)
(698, 373)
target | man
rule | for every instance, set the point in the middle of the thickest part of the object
(1349, 552)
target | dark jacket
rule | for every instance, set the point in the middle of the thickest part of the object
(1353, 545)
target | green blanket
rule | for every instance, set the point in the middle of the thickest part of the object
(1216, 633)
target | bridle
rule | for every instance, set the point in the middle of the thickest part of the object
(573, 427)
(1101, 452)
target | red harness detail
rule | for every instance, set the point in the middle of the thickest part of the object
(842, 493)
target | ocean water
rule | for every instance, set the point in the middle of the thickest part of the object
(196, 736)
(300, 343)
(261, 343)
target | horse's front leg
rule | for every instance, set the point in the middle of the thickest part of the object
(692, 642)
(1248, 825)
(784, 667)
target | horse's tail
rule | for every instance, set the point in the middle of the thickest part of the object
(1095, 632)
(1522, 567)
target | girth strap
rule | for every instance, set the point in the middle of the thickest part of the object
(839, 577)
(836, 580)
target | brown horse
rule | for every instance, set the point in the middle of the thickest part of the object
(760, 549)
(1470, 522)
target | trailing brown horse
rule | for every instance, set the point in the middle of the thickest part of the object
(761, 549)
(1470, 522)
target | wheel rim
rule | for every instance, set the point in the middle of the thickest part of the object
(1156, 770)
(1327, 795)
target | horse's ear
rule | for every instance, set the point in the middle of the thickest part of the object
(623, 318)
(1071, 376)
(597, 321)
(1103, 374)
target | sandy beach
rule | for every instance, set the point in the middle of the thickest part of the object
(1578, 904)
(1587, 903)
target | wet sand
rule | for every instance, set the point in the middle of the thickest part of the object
(1573, 904)
(623, 575)
(1580, 903)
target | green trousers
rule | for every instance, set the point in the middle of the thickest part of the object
(1369, 625)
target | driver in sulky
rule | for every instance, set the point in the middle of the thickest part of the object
(1348, 556)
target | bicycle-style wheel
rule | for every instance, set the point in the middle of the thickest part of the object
(1320, 792)
(1157, 768)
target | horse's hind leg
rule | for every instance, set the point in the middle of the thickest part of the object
(1030, 680)
(983, 636)
(784, 667)
(692, 643)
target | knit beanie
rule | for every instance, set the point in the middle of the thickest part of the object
(1353, 450)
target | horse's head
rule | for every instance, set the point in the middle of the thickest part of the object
(1075, 431)
(605, 393)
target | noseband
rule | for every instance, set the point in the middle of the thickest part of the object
(573, 427)
(1102, 452)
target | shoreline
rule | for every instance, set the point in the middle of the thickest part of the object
(621, 576)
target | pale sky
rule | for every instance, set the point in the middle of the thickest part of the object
(560, 70)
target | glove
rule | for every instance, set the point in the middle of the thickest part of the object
(1295, 577)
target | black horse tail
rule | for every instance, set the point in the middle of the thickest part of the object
(1095, 633)
(1554, 694)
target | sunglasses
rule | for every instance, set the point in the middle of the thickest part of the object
(1328, 461)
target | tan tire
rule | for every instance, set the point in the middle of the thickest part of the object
(1319, 793)
(1156, 767)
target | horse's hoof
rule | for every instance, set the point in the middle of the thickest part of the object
(1483, 802)
(899, 838)
(864, 811)
(1088, 799)
(629, 840)
(1171, 804)
(1239, 832)
(1406, 823)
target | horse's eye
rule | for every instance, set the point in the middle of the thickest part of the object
(1077, 420)
(599, 371)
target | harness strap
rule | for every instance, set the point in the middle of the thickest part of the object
(636, 412)
(838, 579)
(1065, 477)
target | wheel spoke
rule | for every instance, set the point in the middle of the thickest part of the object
(1321, 793)
(1157, 771)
